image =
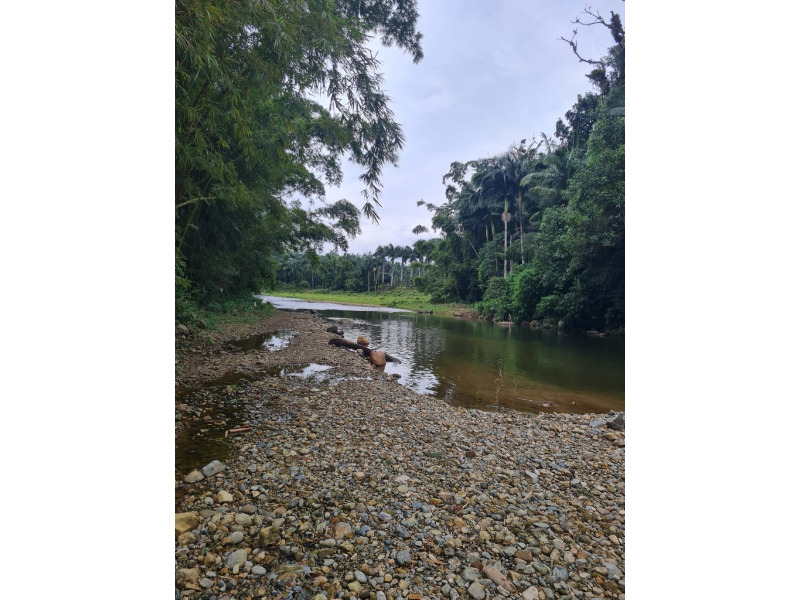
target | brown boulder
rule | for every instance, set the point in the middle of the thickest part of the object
(186, 522)
(187, 579)
(362, 340)
(377, 358)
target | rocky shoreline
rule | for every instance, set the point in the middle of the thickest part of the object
(348, 485)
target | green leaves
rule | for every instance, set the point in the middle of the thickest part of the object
(248, 134)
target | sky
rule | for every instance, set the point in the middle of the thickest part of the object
(494, 73)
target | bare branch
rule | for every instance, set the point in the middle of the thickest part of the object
(192, 201)
(574, 46)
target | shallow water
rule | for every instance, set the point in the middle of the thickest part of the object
(483, 365)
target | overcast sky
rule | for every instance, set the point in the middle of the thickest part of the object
(493, 73)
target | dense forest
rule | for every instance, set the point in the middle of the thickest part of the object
(533, 233)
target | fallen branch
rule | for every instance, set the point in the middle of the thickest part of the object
(237, 430)
(364, 349)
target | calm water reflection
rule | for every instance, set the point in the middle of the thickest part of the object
(482, 365)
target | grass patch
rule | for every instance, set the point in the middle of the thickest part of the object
(406, 298)
(238, 310)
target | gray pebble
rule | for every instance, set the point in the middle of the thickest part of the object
(236, 537)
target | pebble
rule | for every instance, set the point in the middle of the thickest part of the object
(343, 480)
(236, 537)
(213, 468)
(476, 591)
(470, 574)
(194, 477)
(236, 558)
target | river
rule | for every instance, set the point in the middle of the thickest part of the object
(482, 365)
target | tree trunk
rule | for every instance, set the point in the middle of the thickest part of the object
(519, 202)
(505, 248)
(366, 351)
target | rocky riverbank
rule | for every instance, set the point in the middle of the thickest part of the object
(348, 485)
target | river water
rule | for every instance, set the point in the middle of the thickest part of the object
(478, 364)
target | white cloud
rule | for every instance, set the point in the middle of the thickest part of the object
(493, 73)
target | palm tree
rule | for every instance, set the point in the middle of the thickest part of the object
(419, 248)
(391, 254)
(506, 218)
(503, 176)
(405, 254)
(551, 176)
(380, 253)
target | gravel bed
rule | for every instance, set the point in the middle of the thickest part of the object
(348, 485)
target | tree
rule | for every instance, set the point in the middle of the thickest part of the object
(404, 254)
(249, 133)
(392, 252)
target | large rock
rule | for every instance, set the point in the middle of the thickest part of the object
(362, 340)
(188, 579)
(186, 522)
(194, 477)
(617, 423)
(377, 358)
(213, 468)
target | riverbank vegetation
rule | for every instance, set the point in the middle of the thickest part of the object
(536, 232)
(252, 134)
(409, 299)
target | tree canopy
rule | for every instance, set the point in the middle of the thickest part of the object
(251, 132)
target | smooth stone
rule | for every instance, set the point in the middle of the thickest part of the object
(258, 570)
(194, 477)
(213, 468)
(205, 582)
(224, 496)
(243, 519)
(237, 558)
(360, 577)
(560, 574)
(403, 557)
(236, 537)
(524, 555)
(532, 593)
(476, 591)
(613, 571)
(470, 574)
